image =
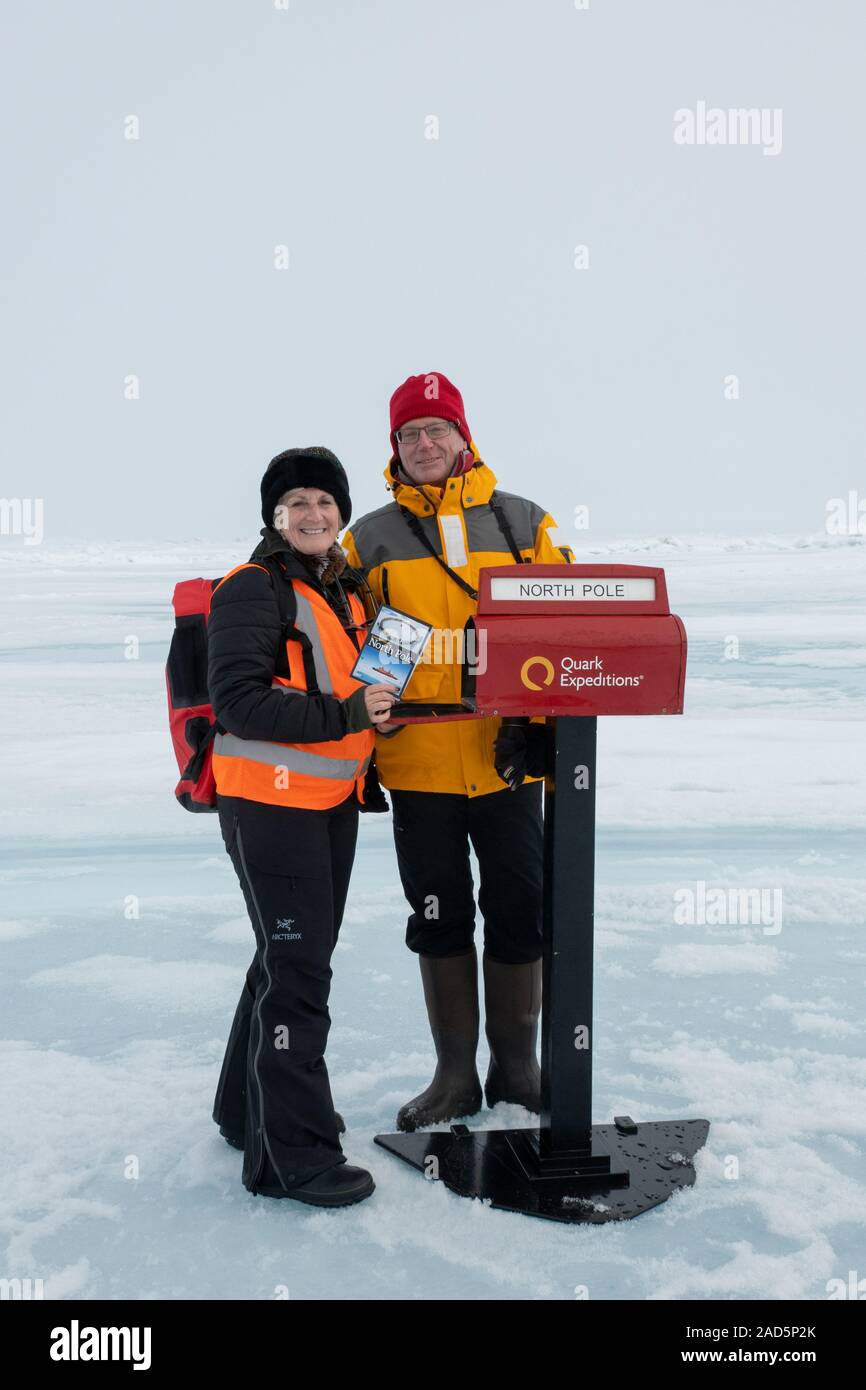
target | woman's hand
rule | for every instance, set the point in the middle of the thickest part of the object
(379, 699)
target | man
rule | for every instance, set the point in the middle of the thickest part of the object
(464, 780)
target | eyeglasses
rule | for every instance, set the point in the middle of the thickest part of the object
(413, 433)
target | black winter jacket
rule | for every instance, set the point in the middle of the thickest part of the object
(244, 631)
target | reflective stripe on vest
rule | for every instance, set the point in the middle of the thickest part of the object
(306, 621)
(288, 755)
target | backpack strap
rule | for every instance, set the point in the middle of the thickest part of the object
(505, 527)
(288, 607)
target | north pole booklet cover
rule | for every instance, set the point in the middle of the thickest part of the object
(393, 648)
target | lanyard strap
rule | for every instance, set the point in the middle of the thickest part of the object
(501, 521)
(415, 525)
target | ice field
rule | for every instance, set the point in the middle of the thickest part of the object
(114, 1026)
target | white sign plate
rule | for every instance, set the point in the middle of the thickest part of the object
(586, 588)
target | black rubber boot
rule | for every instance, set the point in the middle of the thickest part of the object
(512, 1004)
(451, 996)
(236, 1137)
(336, 1187)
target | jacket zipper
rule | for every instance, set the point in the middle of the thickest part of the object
(385, 594)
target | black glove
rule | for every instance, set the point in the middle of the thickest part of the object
(509, 754)
(520, 751)
(374, 797)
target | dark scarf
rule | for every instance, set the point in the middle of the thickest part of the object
(325, 568)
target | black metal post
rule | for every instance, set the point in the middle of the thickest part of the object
(569, 876)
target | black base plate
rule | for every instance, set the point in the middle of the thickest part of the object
(502, 1167)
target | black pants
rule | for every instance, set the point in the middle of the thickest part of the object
(294, 867)
(432, 832)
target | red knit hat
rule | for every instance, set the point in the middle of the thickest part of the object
(431, 393)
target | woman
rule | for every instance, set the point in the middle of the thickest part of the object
(291, 762)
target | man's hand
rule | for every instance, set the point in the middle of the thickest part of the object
(520, 751)
(509, 754)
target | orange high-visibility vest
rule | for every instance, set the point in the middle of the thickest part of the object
(314, 776)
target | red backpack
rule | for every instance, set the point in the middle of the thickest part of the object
(190, 713)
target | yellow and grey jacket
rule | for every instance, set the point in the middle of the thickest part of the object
(457, 520)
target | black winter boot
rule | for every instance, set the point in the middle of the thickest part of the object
(512, 1004)
(451, 996)
(339, 1186)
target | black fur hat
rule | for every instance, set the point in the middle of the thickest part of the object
(312, 467)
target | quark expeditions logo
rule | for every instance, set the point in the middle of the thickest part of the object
(570, 673)
(527, 666)
(76, 1343)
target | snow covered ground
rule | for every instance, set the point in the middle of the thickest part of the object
(115, 1024)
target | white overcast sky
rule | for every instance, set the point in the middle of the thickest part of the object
(306, 127)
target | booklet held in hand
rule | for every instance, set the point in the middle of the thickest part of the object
(392, 650)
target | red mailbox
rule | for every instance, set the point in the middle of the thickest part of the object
(575, 639)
